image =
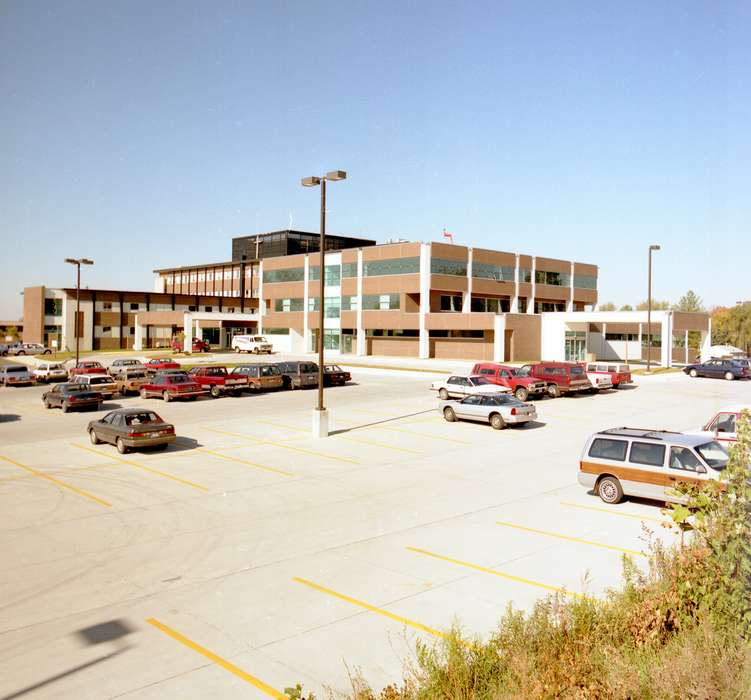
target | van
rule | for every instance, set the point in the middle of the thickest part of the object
(559, 377)
(648, 463)
(261, 377)
(251, 343)
(298, 375)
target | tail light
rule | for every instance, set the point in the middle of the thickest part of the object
(513, 411)
(72, 399)
(132, 435)
(170, 430)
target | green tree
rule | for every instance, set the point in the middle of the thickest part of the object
(627, 307)
(732, 326)
(607, 306)
(657, 305)
(690, 302)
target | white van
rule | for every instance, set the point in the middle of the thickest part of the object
(648, 463)
(251, 343)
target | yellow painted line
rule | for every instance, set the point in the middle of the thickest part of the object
(68, 470)
(62, 484)
(495, 572)
(246, 462)
(572, 539)
(375, 443)
(218, 660)
(424, 436)
(368, 606)
(192, 484)
(262, 441)
(614, 512)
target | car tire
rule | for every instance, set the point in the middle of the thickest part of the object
(449, 415)
(238, 351)
(521, 393)
(496, 422)
(553, 391)
(21, 352)
(615, 386)
(166, 396)
(729, 376)
(64, 406)
(214, 391)
(92, 436)
(609, 490)
(47, 352)
(121, 448)
(443, 394)
(694, 373)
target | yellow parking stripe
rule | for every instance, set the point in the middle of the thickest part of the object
(494, 572)
(572, 539)
(246, 462)
(218, 660)
(262, 441)
(62, 484)
(192, 484)
(609, 511)
(368, 606)
(424, 436)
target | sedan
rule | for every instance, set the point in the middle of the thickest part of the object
(334, 374)
(466, 385)
(172, 386)
(50, 372)
(499, 410)
(128, 428)
(160, 363)
(725, 369)
(16, 375)
(69, 396)
(29, 349)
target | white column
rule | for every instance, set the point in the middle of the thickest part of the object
(604, 355)
(706, 341)
(666, 339)
(305, 301)
(138, 340)
(222, 337)
(531, 300)
(198, 328)
(261, 300)
(515, 299)
(187, 328)
(424, 343)
(360, 341)
(499, 338)
(570, 305)
(685, 346)
(467, 300)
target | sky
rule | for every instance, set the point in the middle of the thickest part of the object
(146, 134)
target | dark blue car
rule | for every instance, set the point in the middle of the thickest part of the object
(722, 369)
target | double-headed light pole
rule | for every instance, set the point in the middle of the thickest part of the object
(652, 247)
(77, 323)
(320, 417)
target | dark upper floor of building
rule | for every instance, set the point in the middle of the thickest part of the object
(278, 243)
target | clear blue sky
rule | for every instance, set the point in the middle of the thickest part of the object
(147, 134)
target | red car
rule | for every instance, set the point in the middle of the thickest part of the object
(169, 386)
(559, 377)
(161, 363)
(198, 345)
(521, 384)
(218, 381)
(87, 367)
(619, 373)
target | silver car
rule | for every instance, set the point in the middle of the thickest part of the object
(50, 372)
(29, 349)
(499, 410)
(16, 375)
(119, 366)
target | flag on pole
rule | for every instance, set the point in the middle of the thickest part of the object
(450, 236)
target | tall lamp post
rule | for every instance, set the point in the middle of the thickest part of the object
(78, 263)
(320, 417)
(652, 247)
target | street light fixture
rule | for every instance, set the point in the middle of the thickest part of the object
(320, 417)
(78, 262)
(652, 247)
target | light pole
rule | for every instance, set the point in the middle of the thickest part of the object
(76, 323)
(652, 247)
(320, 417)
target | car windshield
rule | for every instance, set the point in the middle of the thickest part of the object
(178, 378)
(75, 387)
(136, 374)
(522, 371)
(503, 400)
(15, 369)
(714, 454)
(269, 371)
(480, 380)
(142, 418)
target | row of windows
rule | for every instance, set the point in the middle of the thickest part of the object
(501, 273)
(372, 302)
(488, 304)
(646, 453)
(276, 331)
(333, 275)
(622, 336)
(398, 266)
(545, 306)
(291, 274)
(448, 267)
(557, 279)
(456, 334)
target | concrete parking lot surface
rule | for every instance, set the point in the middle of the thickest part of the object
(248, 556)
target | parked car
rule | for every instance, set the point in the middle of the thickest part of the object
(298, 375)
(131, 379)
(172, 386)
(725, 369)
(159, 364)
(334, 374)
(560, 377)
(102, 383)
(599, 381)
(16, 375)
(129, 428)
(3, 349)
(87, 367)
(29, 349)
(459, 386)
(122, 364)
(648, 463)
(69, 396)
(50, 372)
(619, 373)
(252, 343)
(197, 345)
(218, 381)
(722, 426)
(499, 410)
(261, 377)
(521, 384)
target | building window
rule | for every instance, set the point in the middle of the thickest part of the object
(392, 333)
(106, 306)
(349, 303)
(585, 282)
(192, 308)
(548, 306)
(349, 269)
(331, 306)
(53, 307)
(286, 305)
(451, 302)
(208, 309)
(135, 306)
(448, 267)
(276, 331)
(291, 274)
(525, 274)
(522, 305)
(106, 330)
(397, 266)
(132, 330)
(490, 305)
(501, 273)
(622, 336)
(456, 334)
(333, 275)
(380, 302)
(556, 279)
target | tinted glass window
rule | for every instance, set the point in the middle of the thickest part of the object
(577, 372)
(604, 448)
(647, 453)
(453, 380)
(472, 400)
(714, 454)
(726, 423)
(684, 459)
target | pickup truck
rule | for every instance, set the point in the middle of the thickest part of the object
(197, 345)
(521, 384)
(218, 381)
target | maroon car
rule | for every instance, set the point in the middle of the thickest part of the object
(521, 384)
(218, 381)
(87, 367)
(172, 385)
(334, 374)
(197, 345)
(559, 377)
(161, 363)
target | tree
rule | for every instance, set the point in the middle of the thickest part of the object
(657, 305)
(627, 307)
(690, 302)
(732, 326)
(607, 306)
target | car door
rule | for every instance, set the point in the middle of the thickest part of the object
(723, 427)
(454, 388)
(103, 428)
(683, 466)
(469, 408)
(54, 396)
(504, 378)
(647, 469)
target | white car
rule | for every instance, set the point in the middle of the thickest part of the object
(29, 349)
(599, 381)
(251, 343)
(461, 385)
(50, 372)
(499, 410)
(102, 383)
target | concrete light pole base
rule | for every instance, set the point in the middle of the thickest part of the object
(320, 423)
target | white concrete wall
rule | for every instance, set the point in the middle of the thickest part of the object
(553, 337)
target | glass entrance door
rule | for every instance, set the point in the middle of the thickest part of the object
(576, 346)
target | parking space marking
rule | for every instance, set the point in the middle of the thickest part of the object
(62, 484)
(615, 512)
(66, 470)
(495, 572)
(424, 436)
(246, 462)
(218, 660)
(192, 484)
(262, 441)
(368, 606)
(572, 539)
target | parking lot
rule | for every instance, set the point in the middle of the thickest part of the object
(249, 557)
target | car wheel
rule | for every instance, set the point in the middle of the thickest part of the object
(496, 422)
(615, 386)
(214, 391)
(237, 350)
(694, 373)
(521, 393)
(609, 490)
(553, 391)
(448, 414)
(121, 448)
(166, 396)
(443, 394)
(92, 436)
(20, 352)
(729, 376)
(64, 406)
(47, 352)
